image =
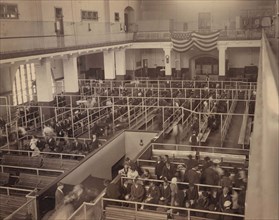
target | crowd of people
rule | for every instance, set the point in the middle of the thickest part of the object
(176, 186)
(62, 145)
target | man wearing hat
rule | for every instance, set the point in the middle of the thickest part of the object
(194, 141)
(193, 175)
(210, 176)
(137, 191)
(227, 209)
(225, 196)
(217, 167)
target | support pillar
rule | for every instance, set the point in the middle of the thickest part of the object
(109, 64)
(44, 86)
(70, 74)
(168, 58)
(71, 86)
(44, 81)
(177, 65)
(120, 63)
(222, 60)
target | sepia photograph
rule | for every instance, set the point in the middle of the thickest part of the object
(139, 109)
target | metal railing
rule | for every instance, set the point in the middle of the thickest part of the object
(27, 210)
(198, 185)
(207, 149)
(229, 34)
(85, 212)
(38, 170)
(157, 83)
(44, 154)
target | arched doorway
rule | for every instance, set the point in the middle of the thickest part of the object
(204, 65)
(129, 19)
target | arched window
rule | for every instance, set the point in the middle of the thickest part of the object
(24, 87)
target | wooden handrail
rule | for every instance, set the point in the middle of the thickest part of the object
(29, 152)
(180, 163)
(31, 168)
(168, 207)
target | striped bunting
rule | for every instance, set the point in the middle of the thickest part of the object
(183, 42)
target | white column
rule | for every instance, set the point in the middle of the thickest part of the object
(70, 74)
(177, 61)
(44, 81)
(120, 62)
(222, 60)
(109, 64)
(168, 57)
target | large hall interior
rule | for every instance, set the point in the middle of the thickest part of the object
(139, 109)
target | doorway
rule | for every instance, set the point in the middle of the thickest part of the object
(59, 26)
(129, 20)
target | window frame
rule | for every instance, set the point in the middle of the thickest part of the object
(23, 88)
(116, 17)
(89, 15)
(5, 14)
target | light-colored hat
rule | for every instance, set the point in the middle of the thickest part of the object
(227, 203)
(174, 180)
(216, 161)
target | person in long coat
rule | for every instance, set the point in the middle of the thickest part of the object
(168, 171)
(137, 191)
(165, 192)
(59, 195)
(159, 167)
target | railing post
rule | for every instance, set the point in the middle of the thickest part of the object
(188, 214)
(84, 208)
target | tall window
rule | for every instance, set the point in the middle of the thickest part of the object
(116, 17)
(24, 84)
(205, 21)
(89, 15)
(8, 11)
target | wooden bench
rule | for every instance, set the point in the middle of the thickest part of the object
(248, 132)
(45, 181)
(205, 135)
(22, 161)
(120, 213)
(172, 124)
(180, 217)
(8, 204)
(52, 163)
(137, 126)
(242, 134)
(29, 181)
(145, 215)
(59, 164)
(241, 138)
(4, 178)
(68, 164)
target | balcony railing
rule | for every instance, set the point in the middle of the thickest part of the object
(229, 34)
(42, 37)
